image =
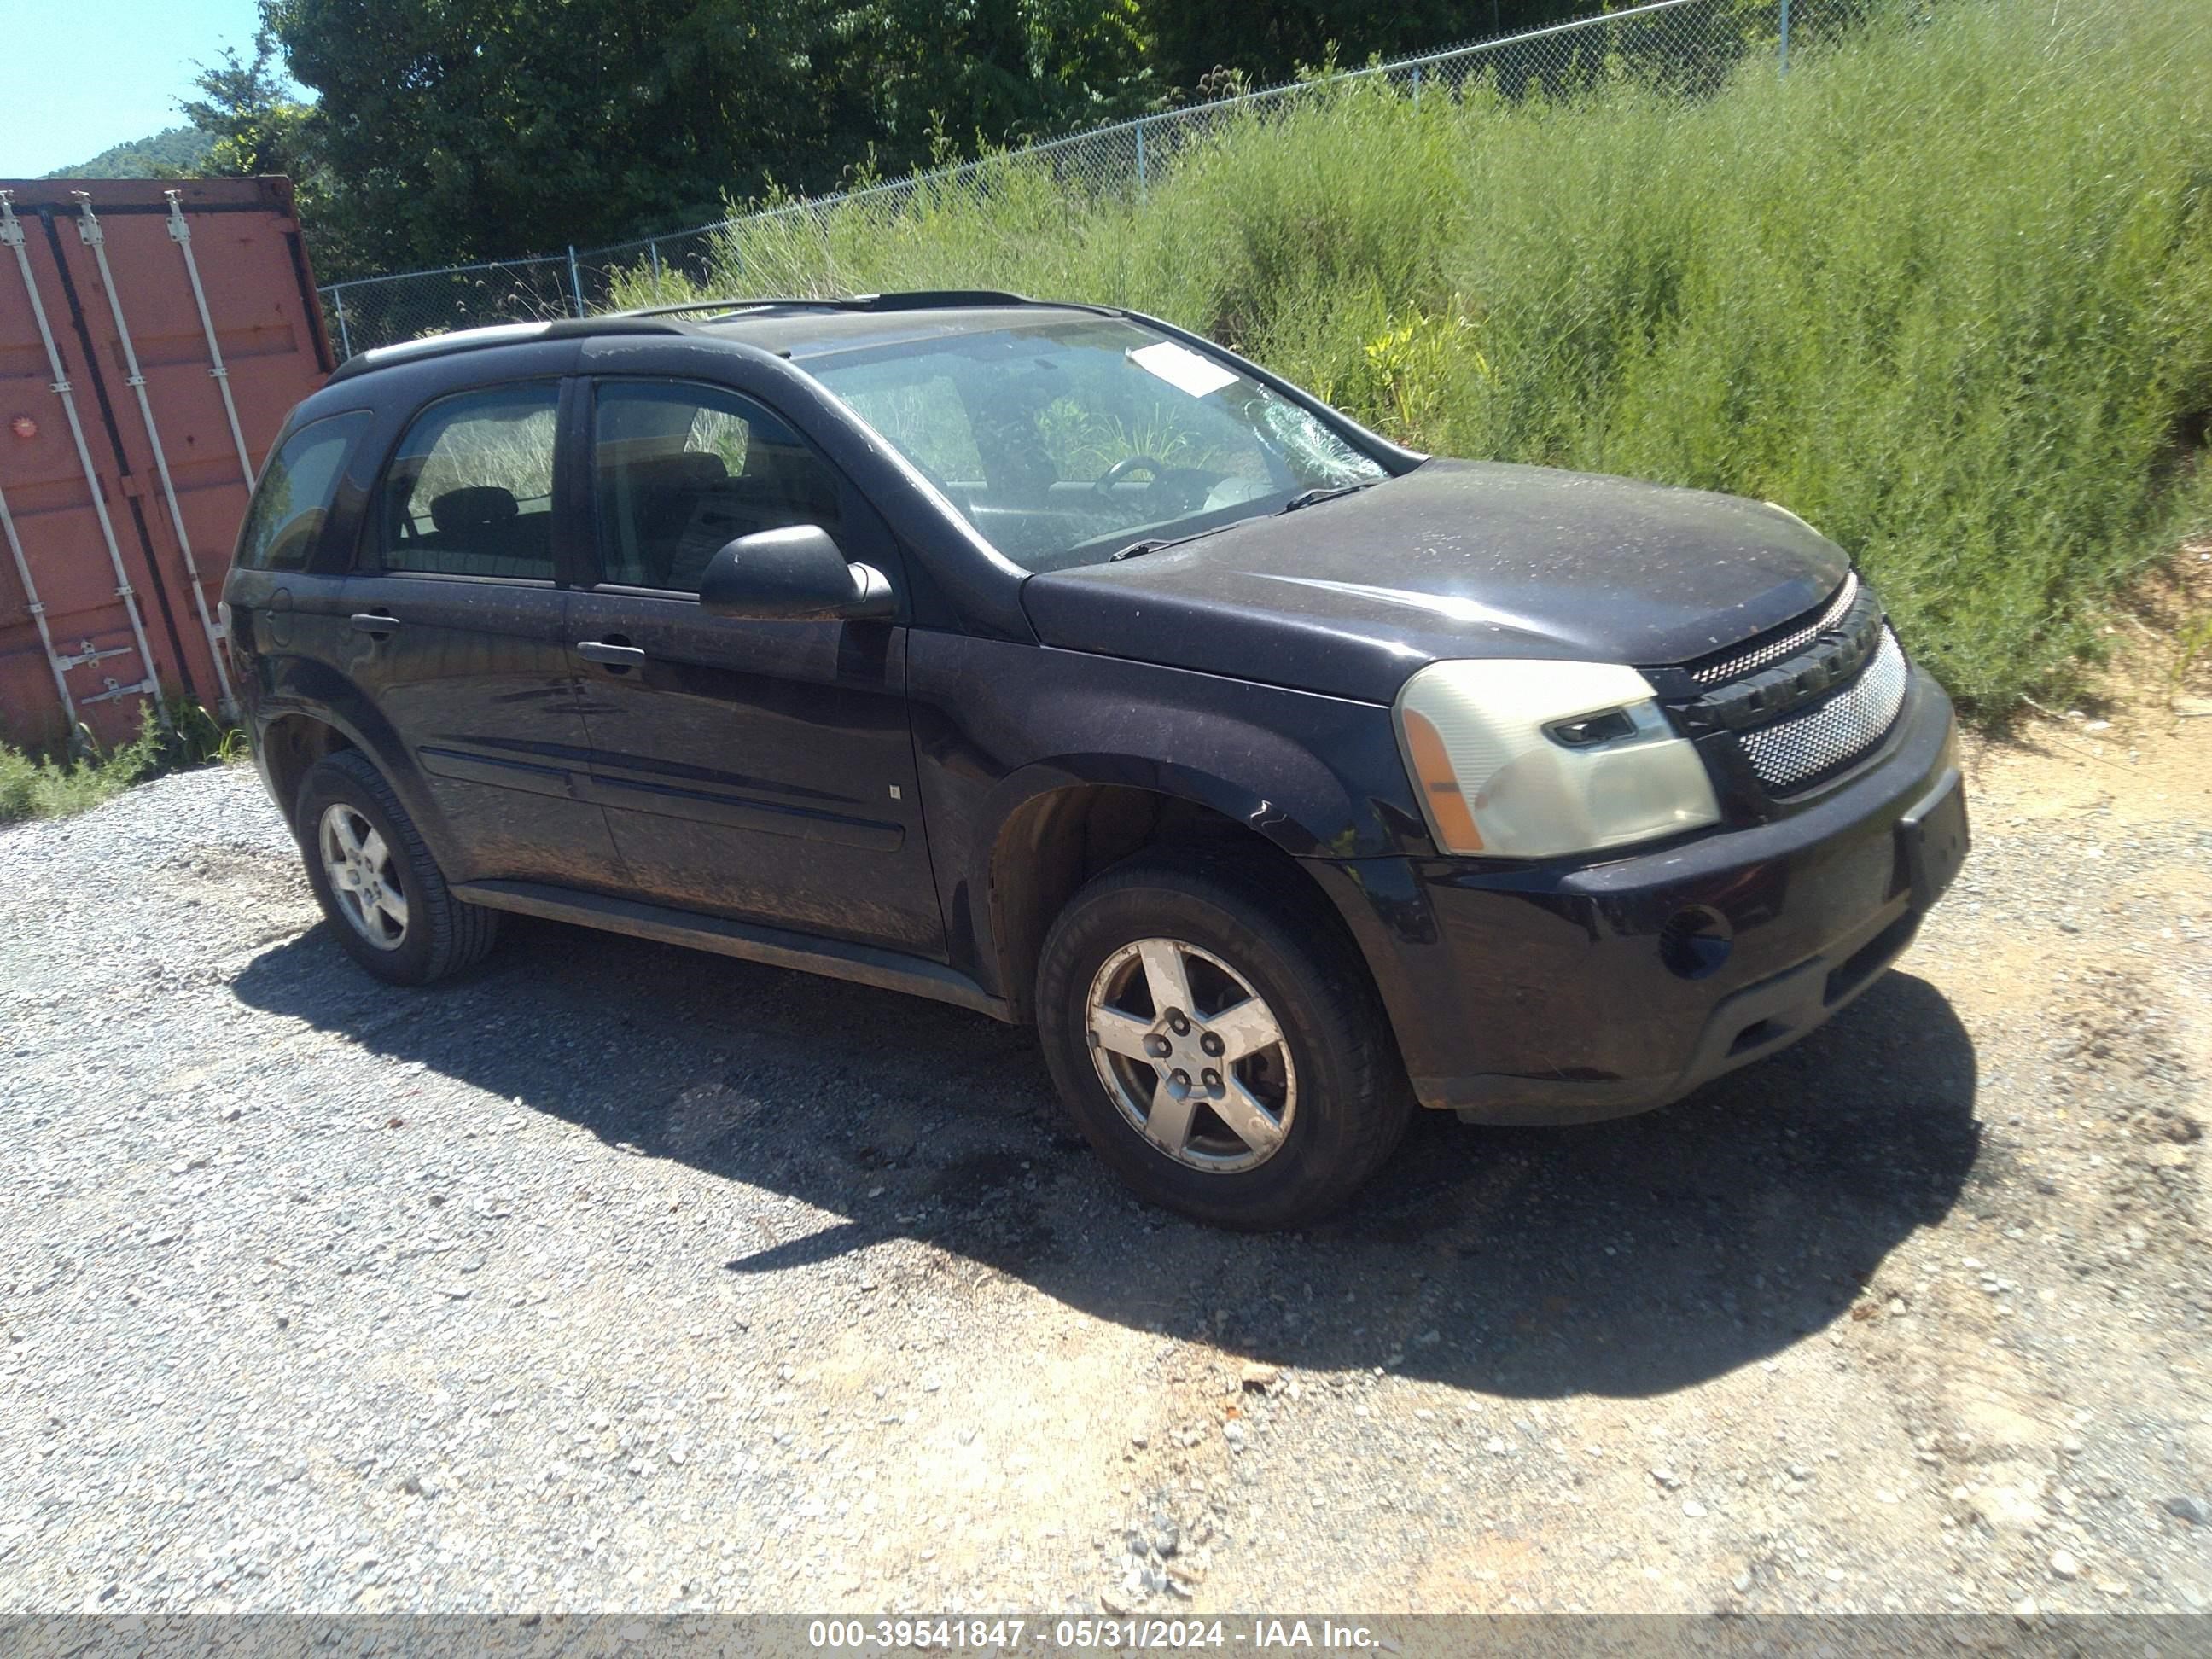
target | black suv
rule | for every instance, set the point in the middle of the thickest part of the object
(1056, 663)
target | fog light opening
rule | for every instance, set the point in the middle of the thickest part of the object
(1695, 941)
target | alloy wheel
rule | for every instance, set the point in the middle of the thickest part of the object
(364, 882)
(1192, 1055)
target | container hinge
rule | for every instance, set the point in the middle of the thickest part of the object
(134, 380)
(60, 388)
(87, 652)
(88, 228)
(218, 373)
(115, 689)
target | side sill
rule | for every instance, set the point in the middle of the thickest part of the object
(862, 964)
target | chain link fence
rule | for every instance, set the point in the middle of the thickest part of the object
(1689, 47)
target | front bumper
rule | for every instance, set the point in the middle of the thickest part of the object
(1566, 993)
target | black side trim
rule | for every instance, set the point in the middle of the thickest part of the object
(862, 964)
(501, 774)
(671, 801)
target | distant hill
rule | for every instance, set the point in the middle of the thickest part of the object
(179, 151)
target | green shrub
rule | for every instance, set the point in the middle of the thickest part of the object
(1946, 289)
(34, 787)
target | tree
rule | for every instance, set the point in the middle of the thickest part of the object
(461, 129)
(255, 123)
(1269, 41)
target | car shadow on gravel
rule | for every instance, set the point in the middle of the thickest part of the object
(1625, 1258)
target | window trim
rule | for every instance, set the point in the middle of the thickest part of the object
(368, 548)
(318, 544)
(590, 570)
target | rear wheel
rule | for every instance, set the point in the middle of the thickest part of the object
(1218, 1042)
(386, 897)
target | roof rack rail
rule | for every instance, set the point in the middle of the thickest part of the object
(653, 319)
(915, 300)
(495, 334)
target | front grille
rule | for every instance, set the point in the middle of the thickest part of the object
(1717, 671)
(1833, 732)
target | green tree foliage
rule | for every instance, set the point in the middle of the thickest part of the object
(251, 120)
(176, 153)
(1261, 42)
(480, 128)
(452, 129)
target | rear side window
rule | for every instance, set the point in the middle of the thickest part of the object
(295, 493)
(470, 491)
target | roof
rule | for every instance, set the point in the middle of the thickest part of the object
(795, 328)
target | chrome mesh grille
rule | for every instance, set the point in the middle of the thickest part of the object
(1825, 736)
(1730, 668)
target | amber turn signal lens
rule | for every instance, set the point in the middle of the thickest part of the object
(1447, 808)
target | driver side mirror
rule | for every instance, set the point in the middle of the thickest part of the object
(797, 573)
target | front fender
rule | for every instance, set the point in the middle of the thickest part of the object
(998, 723)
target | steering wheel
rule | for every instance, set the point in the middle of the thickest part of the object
(1122, 468)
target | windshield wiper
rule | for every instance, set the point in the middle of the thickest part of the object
(1308, 497)
(1303, 498)
(1153, 544)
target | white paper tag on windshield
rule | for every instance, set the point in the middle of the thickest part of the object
(1182, 368)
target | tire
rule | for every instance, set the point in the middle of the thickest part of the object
(1333, 1086)
(428, 933)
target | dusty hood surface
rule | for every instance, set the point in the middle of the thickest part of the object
(1454, 559)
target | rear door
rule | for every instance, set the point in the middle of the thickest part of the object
(760, 770)
(453, 625)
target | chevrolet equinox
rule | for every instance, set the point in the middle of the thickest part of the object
(1056, 663)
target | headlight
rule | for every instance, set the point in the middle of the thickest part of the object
(1532, 760)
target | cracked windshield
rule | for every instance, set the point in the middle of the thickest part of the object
(1072, 443)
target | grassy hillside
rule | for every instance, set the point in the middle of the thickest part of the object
(171, 153)
(1946, 290)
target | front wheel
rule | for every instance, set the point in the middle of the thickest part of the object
(1218, 1042)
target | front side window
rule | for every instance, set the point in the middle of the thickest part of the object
(1063, 442)
(294, 496)
(470, 491)
(682, 470)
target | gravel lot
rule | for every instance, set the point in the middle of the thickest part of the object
(615, 1276)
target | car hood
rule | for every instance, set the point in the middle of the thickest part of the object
(1350, 595)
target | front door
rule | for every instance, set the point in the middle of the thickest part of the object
(455, 628)
(760, 770)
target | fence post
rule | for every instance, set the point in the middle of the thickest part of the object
(1140, 160)
(1417, 86)
(575, 280)
(338, 299)
(653, 247)
(1785, 37)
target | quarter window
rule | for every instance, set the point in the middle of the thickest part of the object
(682, 470)
(295, 493)
(470, 491)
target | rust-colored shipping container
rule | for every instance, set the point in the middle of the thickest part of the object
(153, 334)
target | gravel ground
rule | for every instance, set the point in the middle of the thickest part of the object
(615, 1276)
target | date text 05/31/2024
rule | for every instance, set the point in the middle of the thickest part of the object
(1007, 1635)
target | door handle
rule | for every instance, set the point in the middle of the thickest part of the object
(614, 656)
(373, 621)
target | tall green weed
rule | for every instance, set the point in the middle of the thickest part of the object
(1945, 289)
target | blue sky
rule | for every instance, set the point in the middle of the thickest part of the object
(92, 73)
